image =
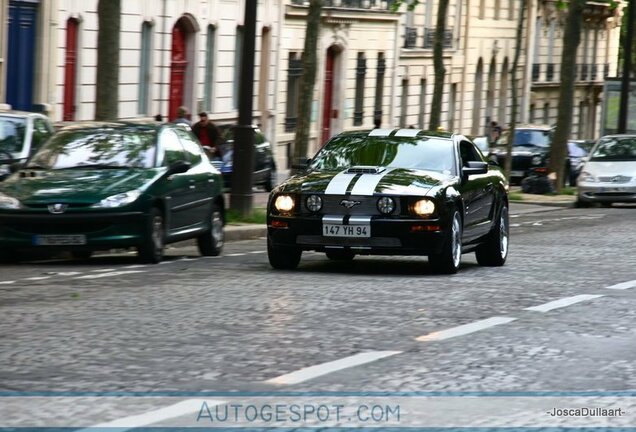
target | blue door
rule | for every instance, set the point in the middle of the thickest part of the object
(21, 56)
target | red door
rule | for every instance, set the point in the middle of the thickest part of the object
(177, 70)
(327, 109)
(70, 67)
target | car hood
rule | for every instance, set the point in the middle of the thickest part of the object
(392, 181)
(74, 186)
(611, 168)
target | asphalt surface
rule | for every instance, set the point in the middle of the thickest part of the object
(232, 323)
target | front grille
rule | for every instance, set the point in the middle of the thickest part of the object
(615, 179)
(315, 240)
(67, 227)
(367, 207)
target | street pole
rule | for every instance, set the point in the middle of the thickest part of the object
(241, 198)
(627, 65)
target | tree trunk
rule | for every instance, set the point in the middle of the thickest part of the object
(438, 64)
(307, 82)
(515, 89)
(571, 40)
(107, 86)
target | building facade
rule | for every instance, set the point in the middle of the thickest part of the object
(375, 63)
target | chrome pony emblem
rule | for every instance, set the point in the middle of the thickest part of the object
(349, 203)
(57, 208)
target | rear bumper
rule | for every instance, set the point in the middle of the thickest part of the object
(388, 237)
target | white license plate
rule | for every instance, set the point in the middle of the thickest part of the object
(335, 230)
(517, 173)
(59, 240)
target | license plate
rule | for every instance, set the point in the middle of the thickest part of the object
(335, 230)
(517, 173)
(59, 240)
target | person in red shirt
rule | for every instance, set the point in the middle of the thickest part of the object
(208, 134)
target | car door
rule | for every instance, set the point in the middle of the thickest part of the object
(477, 192)
(179, 190)
(200, 177)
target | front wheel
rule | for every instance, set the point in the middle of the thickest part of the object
(494, 251)
(150, 251)
(211, 243)
(449, 259)
(283, 257)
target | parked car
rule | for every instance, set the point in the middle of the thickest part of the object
(609, 175)
(21, 134)
(98, 186)
(264, 173)
(392, 192)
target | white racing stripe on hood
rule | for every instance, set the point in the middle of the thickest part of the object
(368, 182)
(339, 184)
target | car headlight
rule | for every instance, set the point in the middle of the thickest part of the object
(587, 177)
(314, 203)
(284, 203)
(118, 200)
(8, 202)
(536, 160)
(386, 205)
(423, 207)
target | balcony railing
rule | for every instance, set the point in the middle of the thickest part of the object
(351, 4)
(587, 72)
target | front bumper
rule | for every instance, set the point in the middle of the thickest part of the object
(606, 192)
(106, 230)
(388, 236)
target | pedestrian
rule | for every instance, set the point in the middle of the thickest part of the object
(495, 132)
(377, 122)
(182, 115)
(159, 118)
(208, 134)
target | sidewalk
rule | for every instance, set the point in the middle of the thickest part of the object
(548, 200)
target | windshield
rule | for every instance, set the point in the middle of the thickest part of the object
(528, 137)
(12, 134)
(434, 154)
(98, 148)
(615, 149)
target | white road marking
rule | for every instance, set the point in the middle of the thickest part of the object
(103, 270)
(7, 282)
(70, 273)
(135, 266)
(258, 252)
(185, 407)
(561, 303)
(111, 274)
(465, 329)
(316, 371)
(37, 278)
(623, 285)
(235, 254)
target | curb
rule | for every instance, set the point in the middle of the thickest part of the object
(245, 232)
(565, 204)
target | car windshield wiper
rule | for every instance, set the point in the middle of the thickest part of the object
(94, 166)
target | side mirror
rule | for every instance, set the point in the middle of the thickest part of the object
(475, 167)
(178, 167)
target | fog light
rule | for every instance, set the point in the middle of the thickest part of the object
(424, 207)
(279, 224)
(313, 203)
(386, 205)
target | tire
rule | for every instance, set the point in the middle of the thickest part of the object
(449, 259)
(81, 255)
(150, 251)
(283, 257)
(606, 204)
(494, 251)
(579, 203)
(340, 255)
(211, 243)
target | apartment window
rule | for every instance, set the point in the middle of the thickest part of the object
(379, 86)
(405, 102)
(482, 9)
(294, 72)
(238, 54)
(209, 67)
(533, 109)
(422, 108)
(511, 9)
(145, 68)
(361, 73)
(410, 32)
(497, 8)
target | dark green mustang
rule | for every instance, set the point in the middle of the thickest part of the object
(392, 192)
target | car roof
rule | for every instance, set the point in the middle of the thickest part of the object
(398, 133)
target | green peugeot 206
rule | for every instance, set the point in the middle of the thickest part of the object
(101, 186)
